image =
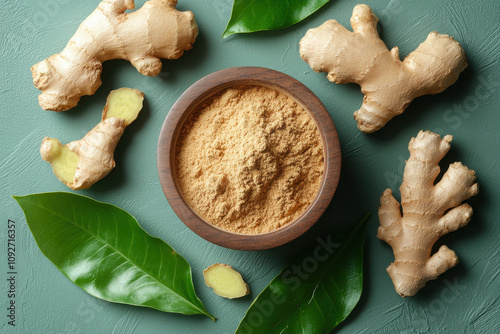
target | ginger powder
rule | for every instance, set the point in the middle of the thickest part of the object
(249, 160)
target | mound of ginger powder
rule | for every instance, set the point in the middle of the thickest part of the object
(249, 160)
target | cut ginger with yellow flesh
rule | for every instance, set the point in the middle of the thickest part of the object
(388, 84)
(82, 163)
(225, 281)
(429, 212)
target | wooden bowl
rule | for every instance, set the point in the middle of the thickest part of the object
(212, 84)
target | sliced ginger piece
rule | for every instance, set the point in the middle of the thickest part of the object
(123, 103)
(225, 281)
(82, 163)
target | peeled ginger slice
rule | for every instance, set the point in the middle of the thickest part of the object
(123, 103)
(225, 281)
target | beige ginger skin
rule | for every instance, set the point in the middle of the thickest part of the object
(156, 30)
(429, 212)
(82, 163)
(388, 84)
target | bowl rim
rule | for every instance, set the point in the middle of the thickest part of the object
(212, 84)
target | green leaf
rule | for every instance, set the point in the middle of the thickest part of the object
(103, 250)
(314, 293)
(257, 15)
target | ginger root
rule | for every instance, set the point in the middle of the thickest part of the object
(156, 30)
(82, 163)
(429, 212)
(225, 281)
(388, 84)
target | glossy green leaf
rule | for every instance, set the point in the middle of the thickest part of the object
(103, 250)
(314, 293)
(257, 15)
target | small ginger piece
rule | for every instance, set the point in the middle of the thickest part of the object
(82, 163)
(156, 30)
(225, 281)
(388, 84)
(429, 212)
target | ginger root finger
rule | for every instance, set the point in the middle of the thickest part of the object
(429, 211)
(389, 84)
(225, 281)
(82, 163)
(156, 30)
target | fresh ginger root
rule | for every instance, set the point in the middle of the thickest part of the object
(82, 163)
(156, 30)
(429, 212)
(225, 281)
(388, 84)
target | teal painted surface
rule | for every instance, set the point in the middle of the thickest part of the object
(463, 300)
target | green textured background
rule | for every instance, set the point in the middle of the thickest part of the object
(463, 300)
